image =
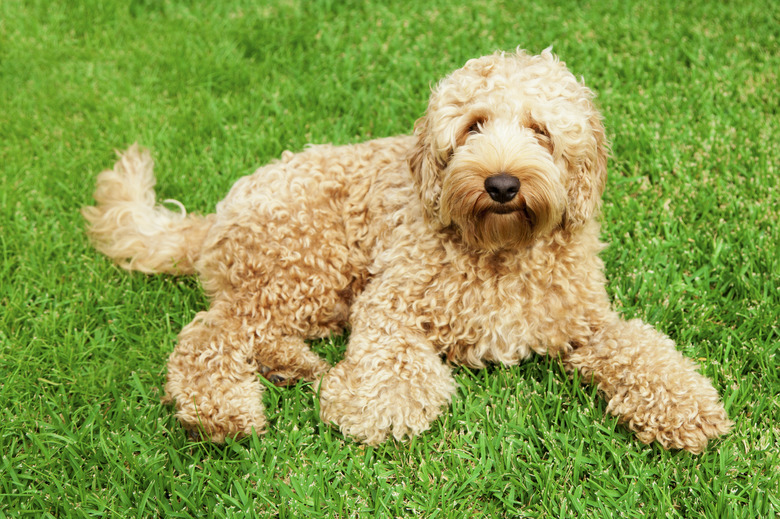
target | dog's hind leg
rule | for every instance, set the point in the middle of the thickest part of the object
(285, 360)
(212, 377)
(213, 371)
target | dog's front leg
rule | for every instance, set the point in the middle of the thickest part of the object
(391, 381)
(651, 386)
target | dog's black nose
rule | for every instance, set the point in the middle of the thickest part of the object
(502, 187)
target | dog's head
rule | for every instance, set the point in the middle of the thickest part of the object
(510, 148)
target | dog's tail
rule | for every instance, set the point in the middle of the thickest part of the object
(128, 226)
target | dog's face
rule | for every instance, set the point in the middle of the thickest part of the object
(510, 148)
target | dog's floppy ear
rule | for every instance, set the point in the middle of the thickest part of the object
(426, 172)
(589, 176)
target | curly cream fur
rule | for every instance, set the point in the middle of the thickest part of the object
(400, 239)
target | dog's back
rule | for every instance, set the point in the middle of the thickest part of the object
(130, 227)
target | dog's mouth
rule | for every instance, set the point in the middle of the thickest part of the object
(503, 209)
(516, 206)
(519, 209)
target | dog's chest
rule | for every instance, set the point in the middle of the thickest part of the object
(481, 317)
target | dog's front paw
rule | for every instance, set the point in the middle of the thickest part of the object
(371, 404)
(675, 421)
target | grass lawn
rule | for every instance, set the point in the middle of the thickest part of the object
(689, 91)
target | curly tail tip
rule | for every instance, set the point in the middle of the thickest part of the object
(128, 226)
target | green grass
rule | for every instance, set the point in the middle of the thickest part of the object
(689, 91)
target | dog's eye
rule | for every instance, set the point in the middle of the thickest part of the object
(542, 136)
(475, 127)
(540, 131)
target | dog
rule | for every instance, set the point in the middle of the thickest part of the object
(474, 240)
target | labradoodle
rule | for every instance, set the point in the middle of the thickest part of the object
(474, 240)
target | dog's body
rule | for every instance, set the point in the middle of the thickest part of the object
(473, 241)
